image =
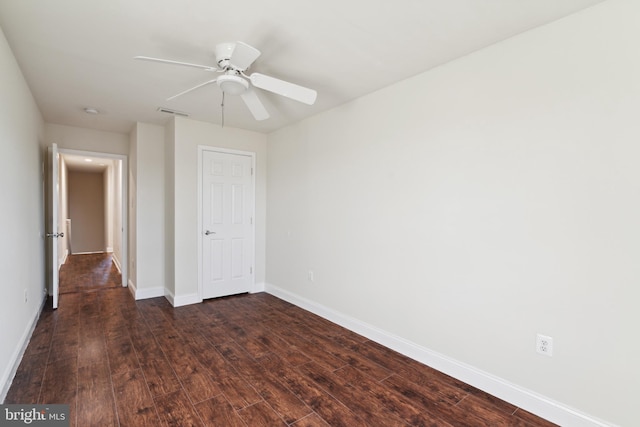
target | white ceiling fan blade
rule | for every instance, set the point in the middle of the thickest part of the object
(169, 61)
(243, 56)
(250, 97)
(290, 90)
(192, 89)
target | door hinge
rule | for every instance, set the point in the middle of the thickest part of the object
(251, 171)
(250, 270)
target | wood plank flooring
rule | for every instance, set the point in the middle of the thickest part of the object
(247, 360)
(86, 272)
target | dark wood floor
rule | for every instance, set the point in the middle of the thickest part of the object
(87, 272)
(249, 360)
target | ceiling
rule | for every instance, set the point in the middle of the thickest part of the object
(78, 54)
(89, 164)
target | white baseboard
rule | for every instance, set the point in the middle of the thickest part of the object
(132, 288)
(109, 249)
(116, 262)
(150, 293)
(180, 300)
(145, 293)
(16, 357)
(528, 400)
(257, 287)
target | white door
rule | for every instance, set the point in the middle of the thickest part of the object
(52, 235)
(227, 223)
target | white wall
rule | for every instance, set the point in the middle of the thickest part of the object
(116, 212)
(169, 211)
(470, 207)
(183, 156)
(113, 209)
(22, 243)
(74, 138)
(147, 210)
(108, 206)
(132, 209)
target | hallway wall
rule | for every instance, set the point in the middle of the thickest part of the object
(146, 213)
(21, 137)
(87, 211)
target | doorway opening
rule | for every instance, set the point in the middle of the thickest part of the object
(92, 203)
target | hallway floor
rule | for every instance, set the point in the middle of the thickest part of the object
(89, 272)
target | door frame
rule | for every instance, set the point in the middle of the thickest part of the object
(252, 155)
(51, 230)
(124, 203)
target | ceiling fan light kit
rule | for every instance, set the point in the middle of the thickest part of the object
(233, 59)
(232, 84)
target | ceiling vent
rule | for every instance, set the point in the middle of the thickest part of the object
(174, 112)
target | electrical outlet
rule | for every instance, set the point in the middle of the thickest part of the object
(544, 345)
(310, 275)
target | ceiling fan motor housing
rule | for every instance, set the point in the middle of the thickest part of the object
(223, 54)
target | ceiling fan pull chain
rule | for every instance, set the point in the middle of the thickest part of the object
(222, 108)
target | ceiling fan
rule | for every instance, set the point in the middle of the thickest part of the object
(233, 60)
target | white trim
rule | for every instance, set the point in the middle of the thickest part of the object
(257, 287)
(252, 155)
(199, 224)
(146, 293)
(521, 397)
(109, 250)
(47, 290)
(124, 202)
(150, 293)
(16, 357)
(180, 300)
(132, 288)
(116, 262)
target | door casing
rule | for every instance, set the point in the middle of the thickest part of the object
(51, 241)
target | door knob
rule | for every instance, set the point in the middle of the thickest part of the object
(206, 233)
